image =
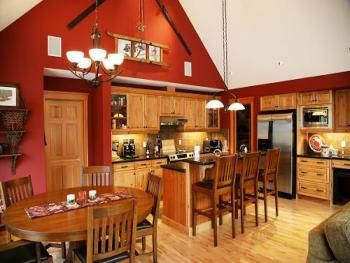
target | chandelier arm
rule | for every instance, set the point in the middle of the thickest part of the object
(82, 73)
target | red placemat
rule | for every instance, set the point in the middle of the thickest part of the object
(60, 207)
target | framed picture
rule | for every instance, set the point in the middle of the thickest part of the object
(139, 50)
(9, 95)
(154, 53)
(124, 47)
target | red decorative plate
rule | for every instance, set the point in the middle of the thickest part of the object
(315, 142)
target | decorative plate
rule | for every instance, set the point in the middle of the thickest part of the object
(315, 142)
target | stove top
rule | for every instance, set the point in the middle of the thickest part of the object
(180, 156)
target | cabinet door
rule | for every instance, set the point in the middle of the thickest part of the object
(167, 106)
(342, 110)
(141, 176)
(212, 118)
(307, 98)
(124, 178)
(200, 114)
(151, 112)
(179, 109)
(191, 107)
(135, 110)
(268, 103)
(323, 97)
(287, 101)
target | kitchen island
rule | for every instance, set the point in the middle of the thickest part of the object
(178, 178)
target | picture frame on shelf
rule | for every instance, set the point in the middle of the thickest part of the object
(124, 47)
(9, 96)
(154, 53)
(139, 50)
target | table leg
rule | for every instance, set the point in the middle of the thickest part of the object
(37, 252)
(71, 246)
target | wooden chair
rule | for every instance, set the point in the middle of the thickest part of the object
(268, 178)
(247, 188)
(111, 233)
(146, 228)
(97, 176)
(221, 184)
(17, 190)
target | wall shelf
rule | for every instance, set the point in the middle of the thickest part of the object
(13, 160)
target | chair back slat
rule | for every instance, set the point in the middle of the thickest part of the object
(272, 162)
(97, 176)
(250, 168)
(111, 230)
(154, 186)
(17, 190)
(225, 170)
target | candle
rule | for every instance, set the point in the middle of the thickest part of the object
(343, 144)
(70, 199)
(92, 194)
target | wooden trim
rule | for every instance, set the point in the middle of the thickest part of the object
(122, 90)
(181, 228)
(233, 125)
(84, 97)
(137, 40)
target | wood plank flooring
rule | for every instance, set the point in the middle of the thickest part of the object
(282, 239)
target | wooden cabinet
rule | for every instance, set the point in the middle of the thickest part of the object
(195, 113)
(171, 106)
(313, 177)
(342, 110)
(135, 173)
(212, 120)
(315, 98)
(278, 102)
(151, 112)
(135, 108)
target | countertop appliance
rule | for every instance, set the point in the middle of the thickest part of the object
(279, 130)
(212, 145)
(129, 150)
(316, 116)
(180, 156)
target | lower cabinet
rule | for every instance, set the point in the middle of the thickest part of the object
(134, 174)
(313, 177)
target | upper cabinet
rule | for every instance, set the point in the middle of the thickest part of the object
(212, 120)
(342, 110)
(278, 102)
(171, 106)
(151, 111)
(195, 113)
(315, 97)
(135, 109)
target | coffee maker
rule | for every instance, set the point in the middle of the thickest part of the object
(129, 149)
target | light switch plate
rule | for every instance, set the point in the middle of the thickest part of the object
(54, 46)
(188, 69)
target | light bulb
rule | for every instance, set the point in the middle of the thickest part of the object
(116, 58)
(108, 64)
(97, 54)
(74, 56)
(84, 63)
(214, 104)
(236, 106)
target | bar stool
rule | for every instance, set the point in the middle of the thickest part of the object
(268, 178)
(221, 184)
(247, 186)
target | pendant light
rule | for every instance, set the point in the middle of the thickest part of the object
(217, 104)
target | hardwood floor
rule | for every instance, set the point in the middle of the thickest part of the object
(282, 239)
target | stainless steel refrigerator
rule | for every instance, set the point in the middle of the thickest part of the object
(278, 130)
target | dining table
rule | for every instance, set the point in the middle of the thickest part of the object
(68, 226)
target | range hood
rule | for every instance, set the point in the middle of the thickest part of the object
(172, 121)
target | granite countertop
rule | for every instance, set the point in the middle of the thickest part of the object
(320, 156)
(175, 166)
(203, 160)
(140, 158)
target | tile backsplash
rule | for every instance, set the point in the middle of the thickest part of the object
(331, 139)
(188, 139)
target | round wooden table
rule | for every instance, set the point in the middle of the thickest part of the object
(66, 226)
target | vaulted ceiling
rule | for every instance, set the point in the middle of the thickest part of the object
(267, 41)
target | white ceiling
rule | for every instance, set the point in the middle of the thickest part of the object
(11, 10)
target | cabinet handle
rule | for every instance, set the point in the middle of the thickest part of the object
(346, 164)
(143, 164)
(320, 162)
(319, 174)
(303, 187)
(124, 166)
(303, 172)
(318, 190)
(303, 161)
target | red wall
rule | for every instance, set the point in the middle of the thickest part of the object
(331, 81)
(23, 55)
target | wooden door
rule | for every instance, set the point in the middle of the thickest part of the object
(166, 106)
(306, 98)
(151, 112)
(135, 110)
(342, 110)
(66, 137)
(190, 105)
(179, 109)
(287, 101)
(200, 114)
(323, 97)
(268, 103)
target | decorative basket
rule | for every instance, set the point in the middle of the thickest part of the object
(14, 138)
(13, 120)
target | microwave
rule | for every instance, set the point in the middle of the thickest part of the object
(316, 117)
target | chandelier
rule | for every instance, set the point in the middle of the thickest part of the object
(105, 66)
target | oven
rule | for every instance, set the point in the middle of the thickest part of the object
(316, 117)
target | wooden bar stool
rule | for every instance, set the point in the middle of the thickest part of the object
(268, 178)
(221, 184)
(247, 186)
